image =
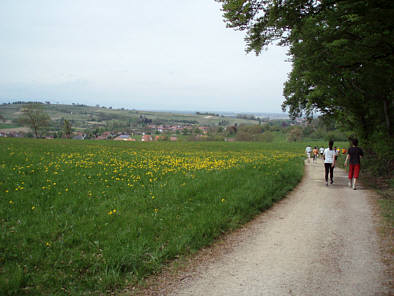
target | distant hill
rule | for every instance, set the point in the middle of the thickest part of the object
(85, 117)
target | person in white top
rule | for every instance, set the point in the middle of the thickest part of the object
(308, 151)
(329, 162)
(321, 151)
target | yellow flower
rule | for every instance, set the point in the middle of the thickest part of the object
(222, 199)
(156, 210)
(114, 211)
(10, 202)
(110, 213)
(33, 207)
(47, 244)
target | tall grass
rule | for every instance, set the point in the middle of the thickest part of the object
(88, 217)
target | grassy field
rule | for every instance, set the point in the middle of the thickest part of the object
(7, 125)
(88, 217)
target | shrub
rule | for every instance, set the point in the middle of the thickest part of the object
(265, 137)
(244, 136)
(295, 134)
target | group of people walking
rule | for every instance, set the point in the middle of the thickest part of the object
(330, 156)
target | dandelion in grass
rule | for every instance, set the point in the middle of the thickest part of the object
(11, 202)
(33, 208)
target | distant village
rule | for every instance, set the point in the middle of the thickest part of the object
(150, 133)
(154, 133)
(79, 122)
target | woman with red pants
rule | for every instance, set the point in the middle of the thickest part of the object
(353, 156)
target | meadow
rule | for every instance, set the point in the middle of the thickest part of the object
(90, 217)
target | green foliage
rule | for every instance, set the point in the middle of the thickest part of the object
(244, 136)
(267, 137)
(5, 125)
(379, 156)
(254, 133)
(35, 117)
(67, 128)
(339, 70)
(336, 136)
(88, 217)
(342, 55)
(294, 134)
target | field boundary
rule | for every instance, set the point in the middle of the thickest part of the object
(185, 266)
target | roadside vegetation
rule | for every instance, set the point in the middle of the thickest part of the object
(89, 217)
(342, 66)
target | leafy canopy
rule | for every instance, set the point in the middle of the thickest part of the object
(341, 52)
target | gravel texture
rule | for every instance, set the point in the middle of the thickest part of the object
(318, 241)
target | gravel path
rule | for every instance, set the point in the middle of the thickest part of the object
(318, 241)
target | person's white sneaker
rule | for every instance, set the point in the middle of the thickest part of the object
(354, 186)
(349, 183)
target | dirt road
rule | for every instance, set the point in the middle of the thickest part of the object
(318, 241)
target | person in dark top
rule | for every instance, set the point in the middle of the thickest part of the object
(354, 155)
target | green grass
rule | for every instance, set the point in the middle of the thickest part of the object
(88, 217)
(387, 210)
(6, 125)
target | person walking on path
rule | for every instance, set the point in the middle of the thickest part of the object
(315, 153)
(321, 151)
(308, 151)
(354, 155)
(329, 162)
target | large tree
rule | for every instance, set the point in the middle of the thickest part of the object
(341, 51)
(35, 117)
(67, 128)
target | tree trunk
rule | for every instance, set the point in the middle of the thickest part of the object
(387, 117)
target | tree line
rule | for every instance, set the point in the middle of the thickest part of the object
(342, 60)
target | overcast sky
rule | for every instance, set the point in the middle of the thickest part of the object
(150, 54)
